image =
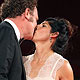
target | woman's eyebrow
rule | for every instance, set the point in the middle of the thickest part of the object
(44, 23)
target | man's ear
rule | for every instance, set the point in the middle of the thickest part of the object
(54, 35)
(27, 13)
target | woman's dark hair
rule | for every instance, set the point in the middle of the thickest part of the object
(13, 8)
(65, 30)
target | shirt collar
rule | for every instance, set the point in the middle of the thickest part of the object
(15, 28)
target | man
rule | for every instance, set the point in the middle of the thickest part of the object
(19, 21)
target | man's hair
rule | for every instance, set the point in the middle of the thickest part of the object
(13, 8)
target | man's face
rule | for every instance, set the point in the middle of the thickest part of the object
(34, 17)
(32, 23)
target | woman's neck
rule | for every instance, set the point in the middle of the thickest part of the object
(42, 52)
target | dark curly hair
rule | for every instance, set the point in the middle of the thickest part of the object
(65, 30)
(13, 8)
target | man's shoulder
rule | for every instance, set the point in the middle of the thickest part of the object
(5, 24)
(6, 27)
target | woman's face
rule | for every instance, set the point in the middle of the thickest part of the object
(43, 32)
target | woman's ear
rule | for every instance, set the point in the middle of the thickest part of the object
(54, 35)
(27, 13)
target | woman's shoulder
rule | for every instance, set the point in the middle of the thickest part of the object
(66, 66)
(66, 71)
(58, 56)
(59, 61)
(66, 63)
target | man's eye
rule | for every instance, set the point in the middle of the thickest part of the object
(43, 25)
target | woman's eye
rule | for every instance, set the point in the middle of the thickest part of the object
(43, 25)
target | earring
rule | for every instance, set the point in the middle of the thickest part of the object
(50, 39)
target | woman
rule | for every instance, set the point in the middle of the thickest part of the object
(50, 38)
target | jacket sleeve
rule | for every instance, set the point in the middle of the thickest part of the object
(6, 52)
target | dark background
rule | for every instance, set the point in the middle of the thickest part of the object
(69, 9)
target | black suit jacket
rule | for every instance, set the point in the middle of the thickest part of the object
(11, 64)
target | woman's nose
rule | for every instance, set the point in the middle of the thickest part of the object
(38, 26)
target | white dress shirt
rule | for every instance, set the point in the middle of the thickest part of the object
(15, 28)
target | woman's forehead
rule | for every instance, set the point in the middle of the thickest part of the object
(46, 22)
